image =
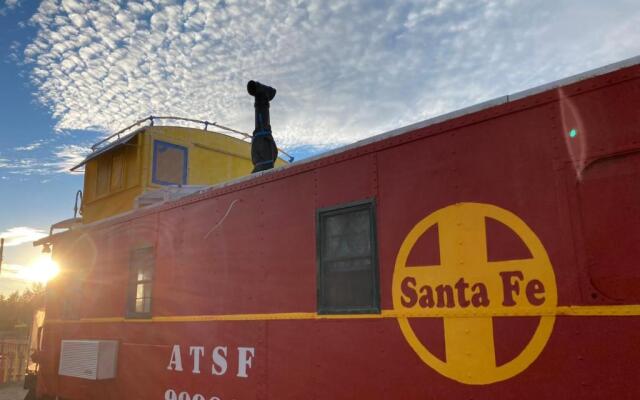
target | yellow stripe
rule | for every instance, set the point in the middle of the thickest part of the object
(572, 311)
(604, 311)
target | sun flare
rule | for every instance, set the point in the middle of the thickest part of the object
(41, 270)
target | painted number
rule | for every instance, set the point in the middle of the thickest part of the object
(171, 394)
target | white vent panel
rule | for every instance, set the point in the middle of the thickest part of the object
(89, 359)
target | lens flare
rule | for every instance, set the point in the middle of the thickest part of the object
(42, 270)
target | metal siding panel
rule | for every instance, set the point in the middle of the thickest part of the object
(287, 229)
(609, 208)
(346, 181)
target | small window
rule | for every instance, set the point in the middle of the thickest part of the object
(104, 175)
(169, 163)
(140, 282)
(347, 261)
(117, 172)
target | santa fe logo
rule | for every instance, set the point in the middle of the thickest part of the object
(467, 291)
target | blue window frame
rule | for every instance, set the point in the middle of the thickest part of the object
(170, 163)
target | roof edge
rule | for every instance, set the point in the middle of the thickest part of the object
(481, 106)
(110, 146)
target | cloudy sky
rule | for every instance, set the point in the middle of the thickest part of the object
(74, 70)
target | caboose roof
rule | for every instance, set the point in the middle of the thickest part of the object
(109, 146)
(121, 137)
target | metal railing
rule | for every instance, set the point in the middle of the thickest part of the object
(153, 118)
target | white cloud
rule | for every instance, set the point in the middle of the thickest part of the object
(31, 146)
(32, 274)
(8, 5)
(45, 157)
(343, 69)
(70, 156)
(28, 166)
(21, 234)
(12, 271)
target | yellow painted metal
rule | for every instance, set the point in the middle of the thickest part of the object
(102, 198)
(631, 310)
(463, 255)
(114, 179)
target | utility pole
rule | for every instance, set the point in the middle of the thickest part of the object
(1, 252)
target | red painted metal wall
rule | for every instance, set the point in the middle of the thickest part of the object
(579, 195)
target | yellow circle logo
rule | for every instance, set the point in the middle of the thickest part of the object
(468, 290)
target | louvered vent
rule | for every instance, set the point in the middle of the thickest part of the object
(89, 359)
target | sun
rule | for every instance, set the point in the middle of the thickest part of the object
(41, 270)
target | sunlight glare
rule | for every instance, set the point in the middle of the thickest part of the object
(41, 270)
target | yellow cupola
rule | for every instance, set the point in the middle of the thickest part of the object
(126, 167)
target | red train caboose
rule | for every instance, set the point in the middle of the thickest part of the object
(488, 253)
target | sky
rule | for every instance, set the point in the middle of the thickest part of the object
(73, 71)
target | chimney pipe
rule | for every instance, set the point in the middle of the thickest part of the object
(263, 148)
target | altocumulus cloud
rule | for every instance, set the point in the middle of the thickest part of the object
(8, 5)
(344, 70)
(44, 157)
(70, 155)
(12, 271)
(21, 234)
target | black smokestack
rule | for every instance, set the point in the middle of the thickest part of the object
(263, 148)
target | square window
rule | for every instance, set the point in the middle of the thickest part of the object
(347, 260)
(170, 162)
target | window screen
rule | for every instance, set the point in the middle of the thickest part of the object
(141, 282)
(169, 163)
(347, 267)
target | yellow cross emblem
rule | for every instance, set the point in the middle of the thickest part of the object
(497, 288)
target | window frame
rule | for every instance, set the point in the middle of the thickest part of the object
(107, 161)
(369, 205)
(154, 165)
(133, 282)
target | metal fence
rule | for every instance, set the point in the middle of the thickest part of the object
(14, 354)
